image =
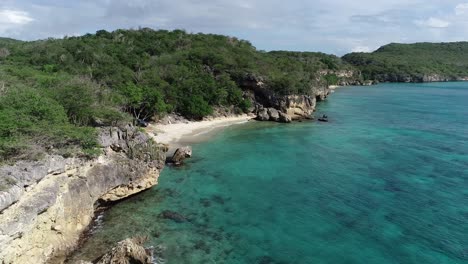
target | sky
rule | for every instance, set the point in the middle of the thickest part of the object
(331, 26)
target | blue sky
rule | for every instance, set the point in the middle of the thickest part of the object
(330, 26)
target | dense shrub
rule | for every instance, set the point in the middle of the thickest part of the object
(29, 120)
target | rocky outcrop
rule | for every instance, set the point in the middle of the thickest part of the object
(270, 106)
(129, 251)
(292, 107)
(301, 106)
(340, 73)
(181, 154)
(50, 203)
(252, 82)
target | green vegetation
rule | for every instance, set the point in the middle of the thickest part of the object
(53, 92)
(29, 121)
(43, 112)
(413, 62)
(300, 72)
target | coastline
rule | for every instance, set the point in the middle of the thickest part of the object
(174, 136)
(183, 133)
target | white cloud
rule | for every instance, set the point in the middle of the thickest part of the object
(461, 9)
(245, 4)
(333, 26)
(433, 23)
(361, 49)
(13, 17)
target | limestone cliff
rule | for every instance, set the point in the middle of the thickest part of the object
(270, 106)
(51, 202)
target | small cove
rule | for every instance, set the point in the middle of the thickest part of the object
(385, 181)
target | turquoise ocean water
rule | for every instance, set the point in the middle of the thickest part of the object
(385, 181)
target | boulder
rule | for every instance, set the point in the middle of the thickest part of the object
(262, 115)
(284, 118)
(128, 251)
(181, 154)
(274, 114)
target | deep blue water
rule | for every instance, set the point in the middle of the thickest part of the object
(385, 181)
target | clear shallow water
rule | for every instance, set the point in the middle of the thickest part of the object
(385, 181)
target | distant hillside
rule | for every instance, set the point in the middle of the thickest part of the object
(8, 41)
(420, 62)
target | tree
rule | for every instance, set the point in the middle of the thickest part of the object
(142, 101)
(195, 107)
(78, 97)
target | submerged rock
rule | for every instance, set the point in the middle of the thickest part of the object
(269, 260)
(181, 154)
(218, 199)
(202, 245)
(205, 202)
(174, 216)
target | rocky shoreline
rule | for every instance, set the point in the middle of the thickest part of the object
(268, 106)
(53, 201)
(408, 78)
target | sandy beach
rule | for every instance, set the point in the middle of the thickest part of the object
(179, 134)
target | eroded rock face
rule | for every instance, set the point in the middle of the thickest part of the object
(278, 108)
(52, 202)
(292, 107)
(16, 179)
(181, 154)
(300, 106)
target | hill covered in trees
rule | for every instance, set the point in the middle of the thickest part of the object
(419, 62)
(54, 92)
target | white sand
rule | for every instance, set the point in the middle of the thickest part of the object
(173, 134)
